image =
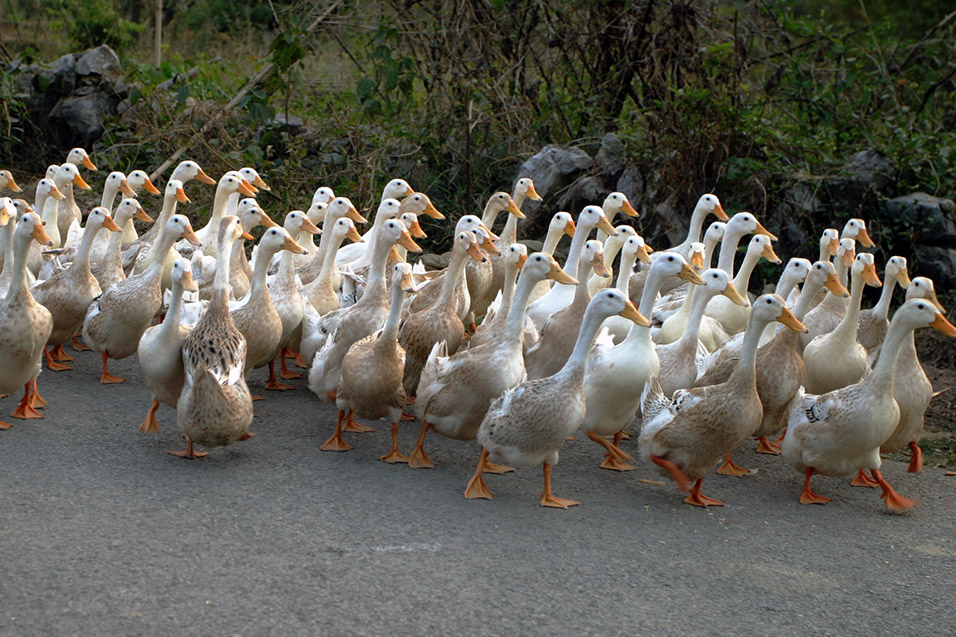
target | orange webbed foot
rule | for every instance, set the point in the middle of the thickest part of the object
(394, 457)
(554, 502)
(355, 427)
(420, 460)
(894, 501)
(697, 498)
(497, 469)
(189, 453)
(78, 345)
(863, 480)
(613, 464)
(4, 425)
(730, 468)
(808, 496)
(764, 445)
(274, 385)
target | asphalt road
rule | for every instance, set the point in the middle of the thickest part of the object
(104, 533)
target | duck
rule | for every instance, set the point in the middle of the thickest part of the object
(515, 257)
(856, 229)
(779, 368)
(160, 349)
(215, 406)
(731, 316)
(829, 244)
(285, 293)
(836, 359)
(826, 314)
(487, 277)
(873, 323)
(528, 424)
(68, 293)
(336, 209)
(139, 180)
(68, 209)
(46, 204)
(115, 184)
(612, 247)
(559, 333)
(320, 292)
(138, 254)
(109, 270)
(7, 182)
(561, 225)
(840, 432)
(255, 315)
(523, 190)
(359, 254)
(25, 325)
(707, 204)
(371, 384)
(561, 295)
(361, 319)
(455, 391)
(679, 360)
(232, 183)
(687, 434)
(116, 320)
(440, 321)
(65, 177)
(613, 204)
(912, 390)
(251, 216)
(617, 374)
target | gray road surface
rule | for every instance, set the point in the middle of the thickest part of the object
(104, 533)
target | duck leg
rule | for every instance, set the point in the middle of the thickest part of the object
(150, 426)
(273, 384)
(107, 378)
(77, 344)
(698, 499)
(916, 458)
(730, 468)
(548, 499)
(51, 363)
(419, 459)
(894, 501)
(808, 496)
(394, 456)
(337, 442)
(60, 355)
(616, 459)
(299, 362)
(676, 473)
(476, 486)
(189, 453)
(36, 400)
(285, 372)
(4, 425)
(355, 427)
(25, 409)
(764, 445)
(863, 480)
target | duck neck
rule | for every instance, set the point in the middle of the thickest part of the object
(375, 286)
(638, 334)
(116, 239)
(881, 378)
(21, 250)
(490, 213)
(507, 293)
(287, 260)
(742, 280)
(390, 330)
(514, 326)
(510, 234)
(728, 250)
(746, 368)
(805, 299)
(825, 250)
(82, 260)
(551, 240)
(577, 249)
(696, 301)
(163, 245)
(50, 214)
(169, 209)
(170, 324)
(696, 225)
(581, 292)
(328, 263)
(39, 202)
(603, 236)
(624, 273)
(456, 268)
(841, 269)
(882, 308)
(848, 325)
(785, 285)
(221, 281)
(709, 244)
(219, 207)
(258, 286)
(109, 195)
(574, 367)
(7, 243)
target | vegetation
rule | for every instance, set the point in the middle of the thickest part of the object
(734, 98)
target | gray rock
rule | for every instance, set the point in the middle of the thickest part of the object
(553, 168)
(63, 78)
(938, 264)
(78, 119)
(293, 125)
(871, 168)
(932, 220)
(612, 152)
(101, 61)
(631, 183)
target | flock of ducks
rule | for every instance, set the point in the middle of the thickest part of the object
(699, 363)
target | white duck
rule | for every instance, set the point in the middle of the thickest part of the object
(706, 205)
(874, 322)
(731, 316)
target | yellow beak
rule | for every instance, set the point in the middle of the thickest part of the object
(259, 183)
(474, 251)
(522, 259)
(491, 235)
(734, 295)
(761, 230)
(308, 226)
(788, 319)
(606, 226)
(559, 275)
(354, 215)
(416, 231)
(110, 225)
(125, 189)
(408, 243)
(406, 282)
(55, 193)
(696, 260)
(834, 246)
(903, 278)
(293, 247)
(142, 216)
(181, 196)
(188, 283)
(864, 239)
(267, 221)
(354, 236)
(247, 189)
(630, 312)
(770, 255)
(394, 257)
(569, 228)
(12, 185)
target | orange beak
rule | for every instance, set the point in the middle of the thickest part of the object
(259, 183)
(940, 323)
(734, 295)
(870, 275)
(150, 188)
(191, 237)
(78, 181)
(354, 215)
(599, 267)
(110, 225)
(628, 209)
(408, 243)
(560, 276)
(489, 245)
(247, 189)
(293, 247)
(308, 226)
(719, 211)
(491, 235)
(142, 216)
(245, 235)
(513, 209)
(181, 196)
(415, 229)
(522, 259)
(354, 236)
(394, 256)
(40, 235)
(848, 257)
(125, 189)
(474, 251)
(835, 287)
(630, 312)
(12, 185)
(55, 193)
(606, 226)
(267, 221)
(188, 283)
(834, 246)
(864, 239)
(761, 230)
(696, 260)
(570, 228)
(432, 211)
(533, 194)
(770, 255)
(203, 177)
(788, 319)
(89, 163)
